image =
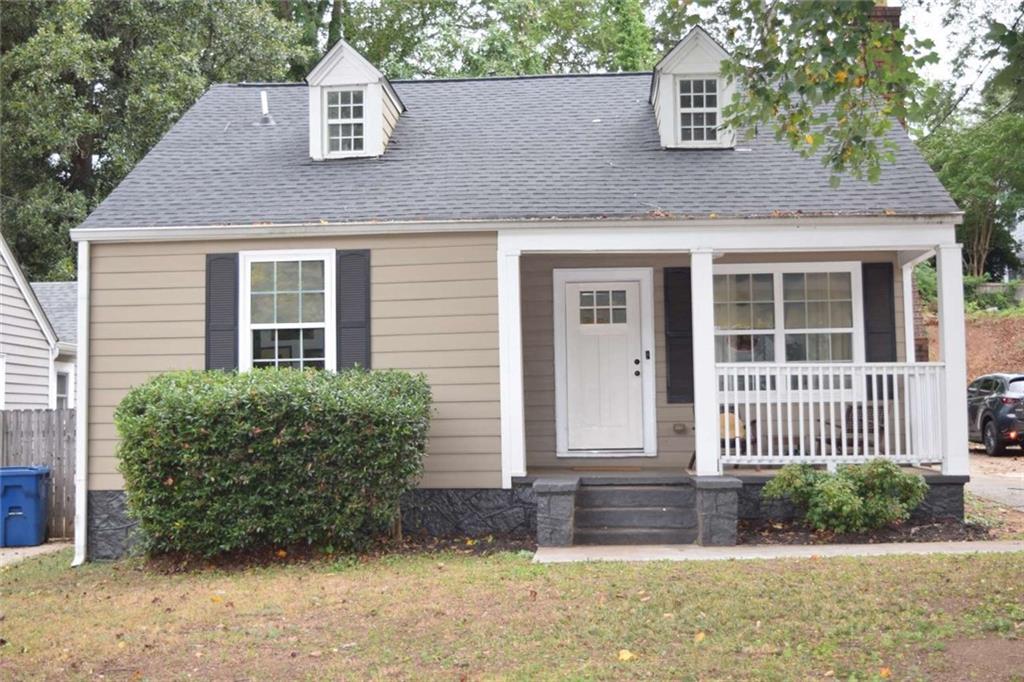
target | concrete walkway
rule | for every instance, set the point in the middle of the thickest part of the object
(1005, 489)
(558, 555)
(12, 555)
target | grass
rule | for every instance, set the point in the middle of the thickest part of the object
(463, 617)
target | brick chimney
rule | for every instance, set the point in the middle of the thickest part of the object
(881, 12)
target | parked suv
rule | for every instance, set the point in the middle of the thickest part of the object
(995, 411)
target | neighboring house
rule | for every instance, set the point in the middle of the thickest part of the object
(36, 362)
(60, 304)
(617, 302)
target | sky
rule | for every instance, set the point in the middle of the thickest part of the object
(926, 17)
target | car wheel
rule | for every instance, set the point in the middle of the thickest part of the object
(994, 445)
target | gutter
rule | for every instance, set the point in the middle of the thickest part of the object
(82, 408)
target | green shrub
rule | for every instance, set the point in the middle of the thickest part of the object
(218, 462)
(855, 498)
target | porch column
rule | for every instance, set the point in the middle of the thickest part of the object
(705, 393)
(953, 349)
(510, 372)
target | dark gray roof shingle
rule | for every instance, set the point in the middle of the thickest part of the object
(60, 303)
(501, 148)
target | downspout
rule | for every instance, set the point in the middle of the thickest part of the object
(82, 407)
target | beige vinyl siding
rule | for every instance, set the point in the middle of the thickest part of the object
(25, 347)
(391, 114)
(674, 420)
(674, 449)
(433, 309)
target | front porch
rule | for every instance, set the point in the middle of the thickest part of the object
(719, 353)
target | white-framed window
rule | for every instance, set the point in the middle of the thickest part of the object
(287, 311)
(788, 313)
(63, 384)
(699, 116)
(344, 121)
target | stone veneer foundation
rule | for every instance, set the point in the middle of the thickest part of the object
(540, 508)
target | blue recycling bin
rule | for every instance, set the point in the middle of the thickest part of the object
(24, 505)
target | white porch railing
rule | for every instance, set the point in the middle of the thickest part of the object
(830, 413)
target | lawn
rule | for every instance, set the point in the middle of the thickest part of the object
(456, 616)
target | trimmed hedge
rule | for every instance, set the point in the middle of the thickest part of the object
(856, 498)
(218, 462)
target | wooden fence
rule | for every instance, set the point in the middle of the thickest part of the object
(44, 438)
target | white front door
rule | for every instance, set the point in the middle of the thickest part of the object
(604, 365)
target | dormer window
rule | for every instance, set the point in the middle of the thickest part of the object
(353, 110)
(344, 120)
(688, 91)
(698, 110)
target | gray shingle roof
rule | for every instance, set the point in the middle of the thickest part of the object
(60, 303)
(500, 148)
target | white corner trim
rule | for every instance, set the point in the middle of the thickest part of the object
(3, 382)
(705, 381)
(510, 370)
(953, 349)
(907, 280)
(645, 277)
(330, 324)
(82, 410)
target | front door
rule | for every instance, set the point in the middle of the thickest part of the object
(604, 365)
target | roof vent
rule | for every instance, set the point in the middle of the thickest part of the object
(265, 118)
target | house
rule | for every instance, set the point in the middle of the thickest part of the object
(59, 301)
(37, 359)
(628, 314)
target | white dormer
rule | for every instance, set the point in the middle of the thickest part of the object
(688, 94)
(352, 107)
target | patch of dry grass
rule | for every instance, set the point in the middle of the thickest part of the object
(462, 617)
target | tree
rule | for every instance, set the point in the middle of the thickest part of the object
(827, 77)
(89, 86)
(980, 165)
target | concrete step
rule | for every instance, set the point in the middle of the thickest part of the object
(636, 517)
(635, 536)
(636, 496)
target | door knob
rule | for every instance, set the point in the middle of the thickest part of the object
(636, 373)
(636, 361)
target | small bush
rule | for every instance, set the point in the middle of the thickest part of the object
(856, 498)
(218, 462)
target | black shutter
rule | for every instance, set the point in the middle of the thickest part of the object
(679, 334)
(222, 311)
(353, 304)
(879, 312)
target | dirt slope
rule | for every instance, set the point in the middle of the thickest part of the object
(994, 344)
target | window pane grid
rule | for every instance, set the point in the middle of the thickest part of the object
(287, 314)
(603, 307)
(344, 118)
(813, 321)
(287, 292)
(698, 110)
(295, 348)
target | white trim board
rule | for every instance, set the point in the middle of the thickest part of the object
(699, 229)
(645, 277)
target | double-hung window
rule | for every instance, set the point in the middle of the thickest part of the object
(287, 309)
(698, 110)
(343, 120)
(63, 386)
(788, 312)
